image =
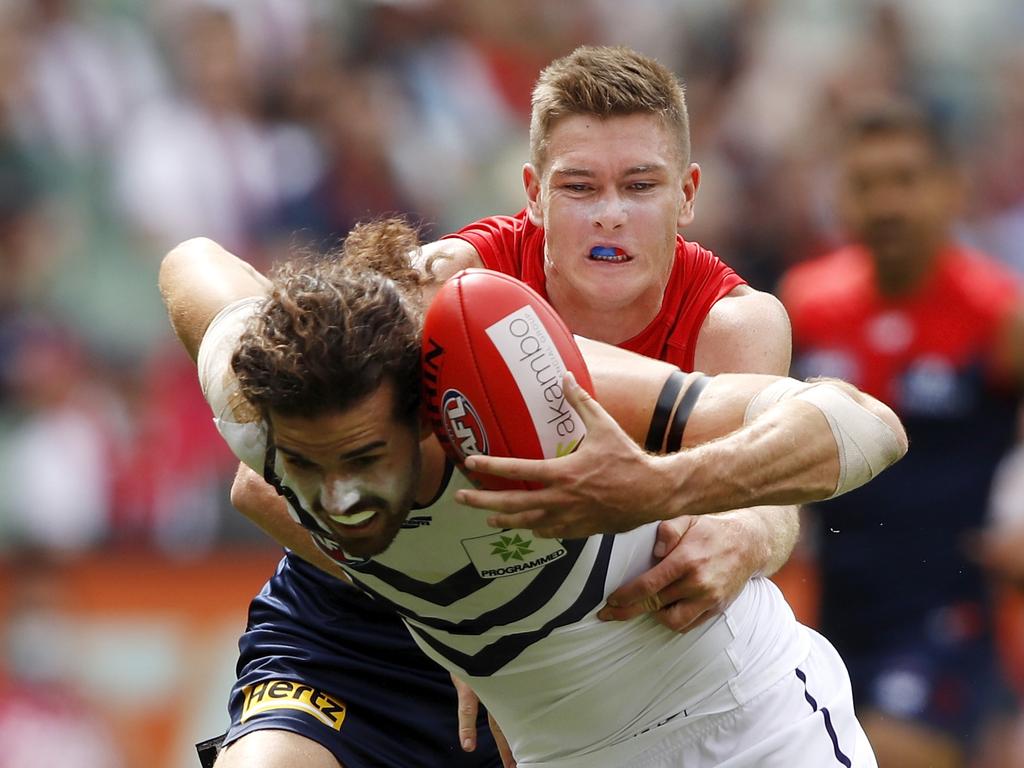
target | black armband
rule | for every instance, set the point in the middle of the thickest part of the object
(671, 413)
(663, 412)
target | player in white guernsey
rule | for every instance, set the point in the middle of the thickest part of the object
(315, 389)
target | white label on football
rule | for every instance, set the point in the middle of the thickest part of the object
(538, 370)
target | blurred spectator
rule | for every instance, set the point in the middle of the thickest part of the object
(446, 117)
(171, 471)
(997, 220)
(349, 113)
(936, 331)
(85, 74)
(56, 465)
(201, 162)
(43, 720)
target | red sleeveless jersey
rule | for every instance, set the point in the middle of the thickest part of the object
(852, 331)
(515, 246)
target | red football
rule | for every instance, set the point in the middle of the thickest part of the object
(494, 357)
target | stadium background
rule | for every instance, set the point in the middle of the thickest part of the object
(127, 126)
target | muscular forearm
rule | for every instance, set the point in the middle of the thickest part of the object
(788, 456)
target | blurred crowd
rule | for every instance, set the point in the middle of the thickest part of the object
(128, 126)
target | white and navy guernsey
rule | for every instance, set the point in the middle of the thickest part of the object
(515, 615)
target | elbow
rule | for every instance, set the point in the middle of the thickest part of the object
(193, 250)
(176, 263)
(884, 414)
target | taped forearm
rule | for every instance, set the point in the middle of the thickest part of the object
(866, 443)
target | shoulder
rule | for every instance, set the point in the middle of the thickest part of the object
(981, 277)
(826, 281)
(700, 265)
(745, 331)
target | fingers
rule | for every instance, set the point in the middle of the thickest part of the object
(578, 397)
(530, 470)
(468, 707)
(674, 608)
(503, 501)
(590, 411)
(658, 578)
(670, 533)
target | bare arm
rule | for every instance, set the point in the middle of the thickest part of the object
(788, 455)
(198, 279)
(748, 331)
(708, 560)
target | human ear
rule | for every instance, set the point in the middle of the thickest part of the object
(691, 182)
(532, 184)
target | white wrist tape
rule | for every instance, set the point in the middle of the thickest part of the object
(866, 444)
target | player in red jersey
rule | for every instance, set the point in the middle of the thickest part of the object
(937, 331)
(609, 184)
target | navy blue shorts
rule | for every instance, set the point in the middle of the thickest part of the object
(943, 673)
(321, 659)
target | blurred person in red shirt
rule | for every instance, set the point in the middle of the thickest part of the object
(936, 331)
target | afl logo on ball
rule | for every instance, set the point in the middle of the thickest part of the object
(465, 431)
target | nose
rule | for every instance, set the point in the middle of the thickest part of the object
(609, 211)
(338, 494)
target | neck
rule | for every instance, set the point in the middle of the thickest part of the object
(906, 276)
(431, 471)
(612, 325)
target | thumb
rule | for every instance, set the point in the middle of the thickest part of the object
(582, 402)
(670, 533)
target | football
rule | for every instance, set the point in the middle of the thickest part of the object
(494, 358)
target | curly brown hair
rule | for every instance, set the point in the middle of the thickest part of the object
(606, 81)
(335, 327)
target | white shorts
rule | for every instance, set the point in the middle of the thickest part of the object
(805, 719)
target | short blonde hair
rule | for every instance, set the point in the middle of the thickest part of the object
(606, 82)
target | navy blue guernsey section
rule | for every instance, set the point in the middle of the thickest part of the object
(308, 627)
(460, 584)
(499, 653)
(913, 519)
(829, 728)
(528, 601)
